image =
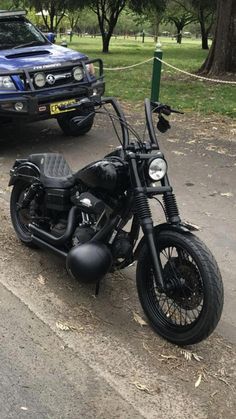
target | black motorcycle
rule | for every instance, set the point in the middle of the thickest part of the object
(83, 217)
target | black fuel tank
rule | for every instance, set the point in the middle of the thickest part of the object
(108, 174)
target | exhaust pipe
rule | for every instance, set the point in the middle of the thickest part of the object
(49, 238)
(48, 246)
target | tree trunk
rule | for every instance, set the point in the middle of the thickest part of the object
(105, 42)
(179, 37)
(222, 55)
(52, 14)
(204, 32)
(205, 41)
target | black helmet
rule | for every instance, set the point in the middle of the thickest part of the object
(89, 262)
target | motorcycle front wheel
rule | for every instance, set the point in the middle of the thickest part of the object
(189, 308)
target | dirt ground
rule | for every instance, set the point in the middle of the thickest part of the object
(110, 332)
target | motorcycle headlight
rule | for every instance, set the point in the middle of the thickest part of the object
(6, 83)
(157, 168)
(78, 73)
(40, 79)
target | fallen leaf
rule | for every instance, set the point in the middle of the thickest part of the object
(209, 214)
(139, 319)
(226, 194)
(179, 153)
(197, 357)
(171, 140)
(65, 327)
(142, 387)
(197, 384)
(189, 355)
(213, 394)
(41, 279)
(169, 356)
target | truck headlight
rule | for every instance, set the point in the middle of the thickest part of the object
(6, 83)
(91, 69)
(40, 79)
(78, 73)
(157, 168)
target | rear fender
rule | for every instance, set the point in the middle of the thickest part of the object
(180, 228)
(24, 170)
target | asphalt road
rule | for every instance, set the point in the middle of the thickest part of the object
(106, 365)
(41, 378)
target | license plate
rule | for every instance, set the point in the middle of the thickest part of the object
(54, 107)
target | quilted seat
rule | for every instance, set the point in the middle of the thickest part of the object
(54, 170)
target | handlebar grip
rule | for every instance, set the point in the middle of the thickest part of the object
(175, 111)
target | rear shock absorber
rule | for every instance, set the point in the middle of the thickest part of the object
(171, 208)
(29, 196)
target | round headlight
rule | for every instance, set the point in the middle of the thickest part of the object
(78, 73)
(6, 82)
(19, 106)
(157, 169)
(40, 79)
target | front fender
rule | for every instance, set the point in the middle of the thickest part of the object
(180, 228)
(24, 170)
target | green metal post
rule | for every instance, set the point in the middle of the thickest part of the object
(156, 73)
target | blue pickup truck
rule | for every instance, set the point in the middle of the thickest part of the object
(38, 78)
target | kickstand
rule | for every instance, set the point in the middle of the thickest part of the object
(97, 288)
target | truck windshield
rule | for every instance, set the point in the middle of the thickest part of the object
(15, 32)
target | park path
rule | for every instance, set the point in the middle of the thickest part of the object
(153, 378)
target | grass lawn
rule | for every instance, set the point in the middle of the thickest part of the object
(180, 91)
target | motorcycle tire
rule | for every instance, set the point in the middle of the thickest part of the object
(20, 218)
(190, 308)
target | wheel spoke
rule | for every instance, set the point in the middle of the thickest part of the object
(182, 302)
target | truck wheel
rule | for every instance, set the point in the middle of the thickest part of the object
(64, 124)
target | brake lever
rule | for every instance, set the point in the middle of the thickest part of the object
(175, 111)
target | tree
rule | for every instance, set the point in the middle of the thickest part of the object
(12, 4)
(108, 12)
(222, 55)
(73, 15)
(205, 10)
(181, 14)
(152, 11)
(53, 11)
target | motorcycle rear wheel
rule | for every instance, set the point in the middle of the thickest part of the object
(20, 218)
(191, 306)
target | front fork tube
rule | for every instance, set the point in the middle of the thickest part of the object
(148, 231)
(145, 219)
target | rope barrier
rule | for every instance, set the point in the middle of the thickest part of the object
(129, 66)
(195, 75)
(174, 68)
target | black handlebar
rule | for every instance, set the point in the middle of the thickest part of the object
(162, 108)
(150, 107)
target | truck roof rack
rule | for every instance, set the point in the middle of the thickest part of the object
(10, 13)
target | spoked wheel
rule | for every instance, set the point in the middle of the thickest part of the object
(189, 308)
(21, 218)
